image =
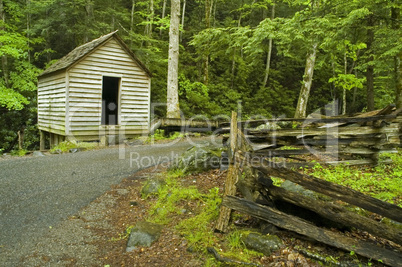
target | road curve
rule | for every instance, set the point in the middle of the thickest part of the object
(38, 192)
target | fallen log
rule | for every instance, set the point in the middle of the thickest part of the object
(302, 227)
(333, 190)
(336, 213)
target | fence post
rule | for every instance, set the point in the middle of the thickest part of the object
(232, 175)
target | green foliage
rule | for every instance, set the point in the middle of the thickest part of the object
(65, 146)
(19, 153)
(382, 182)
(171, 199)
(347, 81)
(232, 51)
(160, 135)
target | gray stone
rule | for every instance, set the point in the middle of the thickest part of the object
(199, 159)
(38, 154)
(264, 244)
(56, 151)
(75, 150)
(143, 235)
(152, 187)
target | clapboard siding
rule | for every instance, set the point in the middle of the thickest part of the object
(52, 103)
(86, 85)
(70, 99)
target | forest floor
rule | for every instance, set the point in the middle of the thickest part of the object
(172, 249)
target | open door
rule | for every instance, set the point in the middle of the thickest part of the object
(110, 100)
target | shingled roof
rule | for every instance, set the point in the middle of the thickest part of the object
(81, 51)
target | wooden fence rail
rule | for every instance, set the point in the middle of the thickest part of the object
(353, 140)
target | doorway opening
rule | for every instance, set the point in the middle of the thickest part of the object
(110, 100)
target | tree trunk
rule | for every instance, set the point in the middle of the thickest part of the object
(267, 68)
(132, 22)
(163, 15)
(398, 72)
(208, 9)
(28, 3)
(4, 60)
(395, 16)
(89, 8)
(344, 90)
(182, 19)
(234, 54)
(148, 26)
(370, 67)
(301, 108)
(173, 108)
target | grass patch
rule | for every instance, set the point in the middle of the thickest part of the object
(19, 152)
(160, 135)
(382, 182)
(65, 146)
(197, 211)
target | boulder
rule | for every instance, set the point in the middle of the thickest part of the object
(264, 244)
(143, 235)
(199, 158)
(38, 154)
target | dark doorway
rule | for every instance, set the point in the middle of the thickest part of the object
(110, 100)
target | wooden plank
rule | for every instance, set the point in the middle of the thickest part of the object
(335, 213)
(306, 121)
(302, 227)
(333, 190)
(302, 133)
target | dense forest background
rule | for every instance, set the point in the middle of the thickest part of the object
(259, 52)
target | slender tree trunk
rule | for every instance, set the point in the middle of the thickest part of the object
(132, 22)
(370, 67)
(345, 61)
(163, 15)
(208, 4)
(89, 7)
(395, 16)
(150, 19)
(398, 72)
(4, 60)
(267, 68)
(173, 108)
(182, 19)
(301, 108)
(215, 4)
(28, 4)
(234, 54)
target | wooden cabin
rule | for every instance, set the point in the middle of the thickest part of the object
(99, 91)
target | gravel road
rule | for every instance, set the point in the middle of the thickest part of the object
(37, 193)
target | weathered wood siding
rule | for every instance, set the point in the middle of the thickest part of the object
(85, 92)
(52, 103)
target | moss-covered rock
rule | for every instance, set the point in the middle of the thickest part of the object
(264, 244)
(198, 159)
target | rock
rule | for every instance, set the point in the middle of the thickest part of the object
(38, 154)
(199, 159)
(267, 228)
(75, 150)
(57, 151)
(264, 244)
(152, 186)
(143, 235)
